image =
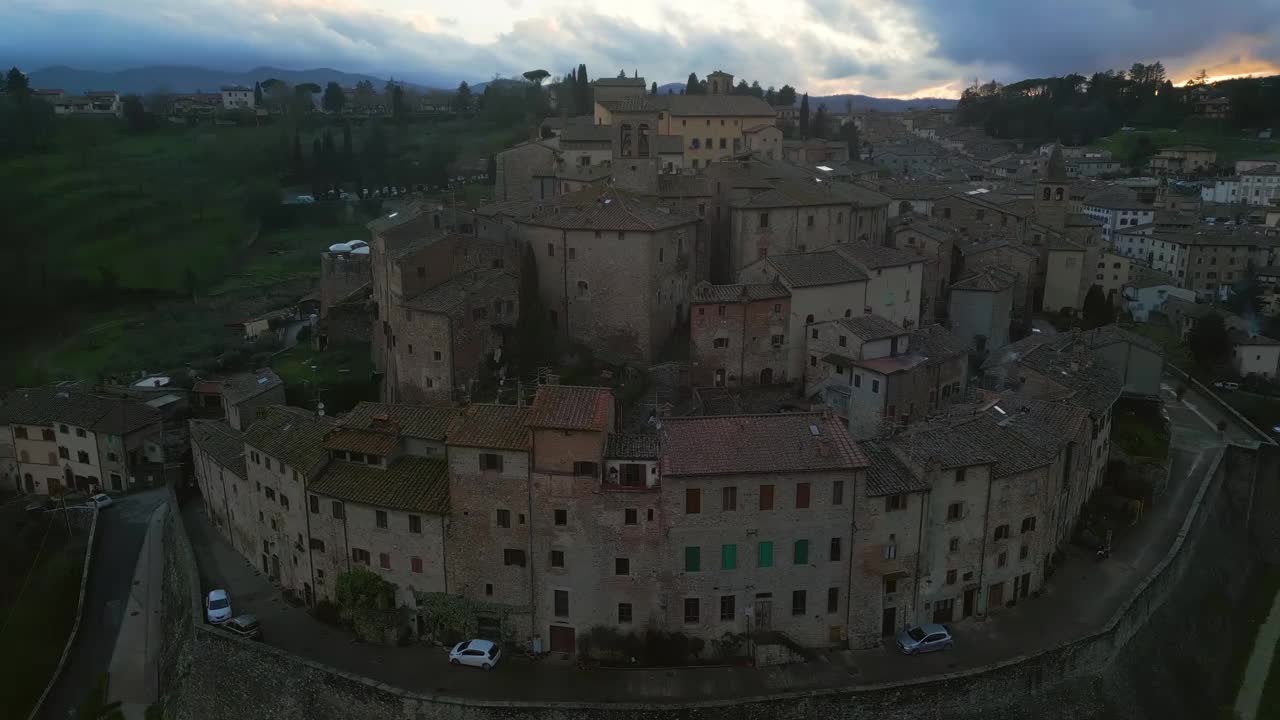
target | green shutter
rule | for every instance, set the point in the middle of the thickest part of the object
(728, 557)
(764, 557)
(692, 559)
(802, 552)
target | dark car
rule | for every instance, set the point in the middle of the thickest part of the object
(245, 626)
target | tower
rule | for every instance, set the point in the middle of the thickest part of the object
(719, 83)
(634, 143)
(1053, 195)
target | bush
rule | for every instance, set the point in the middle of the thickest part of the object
(327, 611)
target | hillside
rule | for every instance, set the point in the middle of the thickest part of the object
(861, 103)
(182, 78)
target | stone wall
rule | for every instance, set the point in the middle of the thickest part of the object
(1160, 657)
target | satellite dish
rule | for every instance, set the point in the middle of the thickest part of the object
(361, 251)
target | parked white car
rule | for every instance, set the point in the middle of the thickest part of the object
(476, 653)
(101, 500)
(217, 607)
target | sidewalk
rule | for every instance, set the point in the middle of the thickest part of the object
(134, 671)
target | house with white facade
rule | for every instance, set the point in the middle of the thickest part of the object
(1117, 209)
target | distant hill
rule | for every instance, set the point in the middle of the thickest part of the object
(180, 78)
(836, 103)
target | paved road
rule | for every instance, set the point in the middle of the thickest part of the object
(1080, 598)
(121, 529)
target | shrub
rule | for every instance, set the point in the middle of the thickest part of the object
(327, 611)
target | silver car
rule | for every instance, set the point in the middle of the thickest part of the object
(924, 638)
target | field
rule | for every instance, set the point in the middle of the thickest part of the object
(132, 251)
(341, 376)
(1231, 146)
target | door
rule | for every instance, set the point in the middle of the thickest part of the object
(943, 610)
(1026, 586)
(995, 596)
(764, 611)
(766, 376)
(562, 639)
(266, 565)
(115, 482)
(275, 567)
(719, 381)
(889, 622)
(31, 484)
(969, 596)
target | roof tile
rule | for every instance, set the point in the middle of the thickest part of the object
(737, 444)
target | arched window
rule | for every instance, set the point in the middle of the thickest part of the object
(624, 143)
(1057, 194)
(904, 207)
(643, 145)
(1046, 194)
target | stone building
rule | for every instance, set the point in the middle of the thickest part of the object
(893, 280)
(931, 240)
(615, 271)
(757, 514)
(738, 334)
(981, 306)
(517, 167)
(340, 275)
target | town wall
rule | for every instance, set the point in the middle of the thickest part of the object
(1160, 657)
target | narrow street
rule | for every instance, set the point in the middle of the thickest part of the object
(121, 529)
(1081, 597)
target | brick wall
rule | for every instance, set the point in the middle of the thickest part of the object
(749, 329)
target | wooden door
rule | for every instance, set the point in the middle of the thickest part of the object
(995, 596)
(889, 621)
(562, 639)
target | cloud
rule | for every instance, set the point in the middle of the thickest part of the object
(819, 46)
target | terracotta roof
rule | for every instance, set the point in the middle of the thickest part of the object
(983, 281)
(815, 268)
(569, 407)
(371, 442)
(887, 475)
(735, 444)
(219, 440)
(243, 386)
(611, 209)
(713, 105)
(632, 446)
(501, 427)
(70, 404)
(292, 435)
(411, 483)
(462, 288)
(952, 442)
(872, 327)
(705, 292)
(874, 257)
(1045, 427)
(936, 343)
(417, 421)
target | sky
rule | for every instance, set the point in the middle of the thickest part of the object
(885, 48)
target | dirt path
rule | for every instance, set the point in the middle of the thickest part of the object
(1255, 675)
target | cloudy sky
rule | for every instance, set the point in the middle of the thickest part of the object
(907, 48)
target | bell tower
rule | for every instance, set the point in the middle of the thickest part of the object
(634, 142)
(1053, 195)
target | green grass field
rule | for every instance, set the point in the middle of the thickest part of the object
(341, 376)
(1231, 145)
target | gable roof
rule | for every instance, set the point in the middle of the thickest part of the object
(292, 435)
(607, 209)
(500, 427)
(68, 403)
(886, 474)
(219, 440)
(242, 386)
(457, 290)
(714, 105)
(983, 281)
(875, 257)
(705, 292)
(416, 421)
(410, 483)
(570, 407)
(641, 445)
(740, 444)
(872, 327)
(815, 268)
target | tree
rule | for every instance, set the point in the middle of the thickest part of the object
(348, 152)
(622, 74)
(787, 96)
(295, 157)
(462, 100)
(334, 98)
(742, 88)
(804, 116)
(653, 89)
(819, 126)
(537, 76)
(849, 133)
(135, 115)
(257, 94)
(585, 103)
(159, 101)
(692, 87)
(1209, 343)
(771, 96)
(756, 89)
(17, 85)
(533, 336)
(1095, 312)
(399, 111)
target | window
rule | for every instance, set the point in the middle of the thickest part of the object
(504, 518)
(561, 516)
(729, 557)
(875, 386)
(692, 501)
(946, 213)
(727, 607)
(415, 524)
(955, 511)
(284, 501)
(381, 518)
(895, 502)
(954, 545)
(1002, 532)
(20, 432)
(317, 544)
(551, 250)
(1023, 552)
(557, 558)
(561, 602)
(80, 432)
(384, 560)
(890, 584)
(629, 516)
(777, 340)
(490, 461)
(513, 557)
(47, 434)
(720, 343)
(835, 549)
(359, 556)
(764, 219)
(63, 429)
(622, 566)
(813, 361)
(809, 221)
(1002, 559)
(691, 610)
(960, 475)
(315, 505)
(692, 559)
(586, 469)
(837, 492)
(624, 613)
(271, 494)
(729, 498)
(766, 497)
(802, 495)
(764, 554)
(415, 565)
(800, 553)
(64, 453)
(1029, 524)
